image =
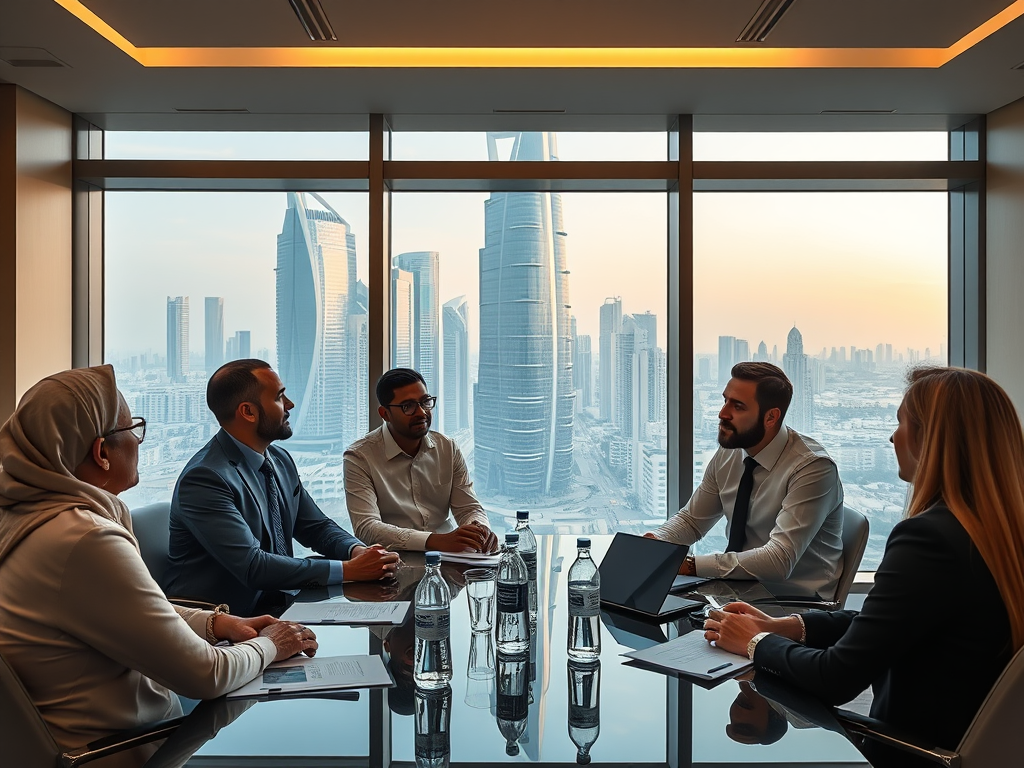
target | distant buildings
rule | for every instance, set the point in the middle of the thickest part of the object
(239, 346)
(726, 358)
(213, 326)
(321, 326)
(422, 267)
(797, 368)
(177, 338)
(403, 341)
(455, 403)
(611, 322)
(523, 406)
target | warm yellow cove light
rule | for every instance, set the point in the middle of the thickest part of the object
(550, 58)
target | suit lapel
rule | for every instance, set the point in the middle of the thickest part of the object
(246, 475)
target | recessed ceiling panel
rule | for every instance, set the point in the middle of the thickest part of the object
(546, 23)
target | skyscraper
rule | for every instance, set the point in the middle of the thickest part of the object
(801, 411)
(177, 338)
(402, 323)
(649, 323)
(455, 402)
(726, 358)
(239, 346)
(742, 351)
(582, 369)
(316, 342)
(611, 323)
(426, 332)
(524, 397)
(213, 325)
(762, 353)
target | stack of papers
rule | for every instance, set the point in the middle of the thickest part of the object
(470, 558)
(692, 655)
(302, 674)
(342, 612)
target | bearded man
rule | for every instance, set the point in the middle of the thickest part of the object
(778, 490)
(239, 502)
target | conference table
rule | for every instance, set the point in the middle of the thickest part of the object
(638, 716)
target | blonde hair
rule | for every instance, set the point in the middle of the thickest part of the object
(972, 460)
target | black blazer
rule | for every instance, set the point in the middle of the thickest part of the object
(931, 639)
(220, 537)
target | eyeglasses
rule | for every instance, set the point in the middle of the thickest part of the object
(138, 429)
(409, 406)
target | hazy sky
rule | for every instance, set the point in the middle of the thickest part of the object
(848, 269)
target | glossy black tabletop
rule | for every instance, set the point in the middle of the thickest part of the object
(619, 712)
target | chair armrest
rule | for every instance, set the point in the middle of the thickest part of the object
(120, 741)
(868, 727)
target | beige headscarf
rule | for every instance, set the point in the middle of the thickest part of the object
(47, 437)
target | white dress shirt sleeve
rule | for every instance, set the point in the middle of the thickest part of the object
(363, 510)
(699, 514)
(813, 492)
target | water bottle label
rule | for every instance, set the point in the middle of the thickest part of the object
(530, 559)
(584, 717)
(432, 624)
(584, 603)
(511, 598)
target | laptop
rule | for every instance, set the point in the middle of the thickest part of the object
(637, 574)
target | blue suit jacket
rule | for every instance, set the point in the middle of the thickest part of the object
(219, 533)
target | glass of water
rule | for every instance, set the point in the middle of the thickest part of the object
(480, 589)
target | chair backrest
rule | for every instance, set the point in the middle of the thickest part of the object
(995, 738)
(25, 741)
(151, 527)
(855, 541)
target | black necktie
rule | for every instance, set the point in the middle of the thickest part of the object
(278, 541)
(740, 512)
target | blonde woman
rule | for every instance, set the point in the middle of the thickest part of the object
(960, 552)
(82, 623)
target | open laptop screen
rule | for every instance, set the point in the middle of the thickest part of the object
(638, 572)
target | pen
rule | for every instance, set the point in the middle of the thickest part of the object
(720, 667)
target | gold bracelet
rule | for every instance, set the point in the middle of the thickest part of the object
(210, 637)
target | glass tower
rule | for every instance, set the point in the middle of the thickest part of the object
(524, 397)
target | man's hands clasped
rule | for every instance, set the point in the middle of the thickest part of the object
(371, 564)
(471, 537)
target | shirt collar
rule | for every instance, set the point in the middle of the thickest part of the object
(769, 455)
(392, 449)
(252, 458)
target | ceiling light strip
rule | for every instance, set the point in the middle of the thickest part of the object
(549, 58)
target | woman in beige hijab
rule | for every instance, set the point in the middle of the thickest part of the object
(82, 623)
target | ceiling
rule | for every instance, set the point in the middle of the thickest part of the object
(871, 64)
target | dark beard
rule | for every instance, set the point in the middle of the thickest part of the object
(747, 439)
(266, 432)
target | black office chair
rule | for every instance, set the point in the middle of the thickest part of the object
(994, 739)
(27, 742)
(151, 526)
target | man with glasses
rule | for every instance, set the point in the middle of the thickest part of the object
(405, 484)
(239, 502)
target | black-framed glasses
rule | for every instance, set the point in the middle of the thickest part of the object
(138, 429)
(409, 406)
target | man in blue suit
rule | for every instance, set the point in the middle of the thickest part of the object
(239, 503)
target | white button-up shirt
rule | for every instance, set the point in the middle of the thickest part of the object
(398, 500)
(795, 524)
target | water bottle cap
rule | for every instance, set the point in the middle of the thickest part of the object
(433, 558)
(511, 537)
(522, 514)
(583, 543)
(583, 759)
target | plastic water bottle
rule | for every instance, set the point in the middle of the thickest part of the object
(528, 551)
(584, 606)
(433, 745)
(432, 667)
(584, 706)
(512, 708)
(513, 626)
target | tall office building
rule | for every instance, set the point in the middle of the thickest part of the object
(524, 397)
(649, 323)
(213, 325)
(455, 400)
(611, 323)
(762, 353)
(582, 370)
(726, 358)
(797, 368)
(742, 351)
(317, 343)
(426, 331)
(177, 338)
(239, 346)
(402, 323)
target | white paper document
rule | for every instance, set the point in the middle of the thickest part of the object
(470, 558)
(693, 655)
(344, 612)
(302, 674)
